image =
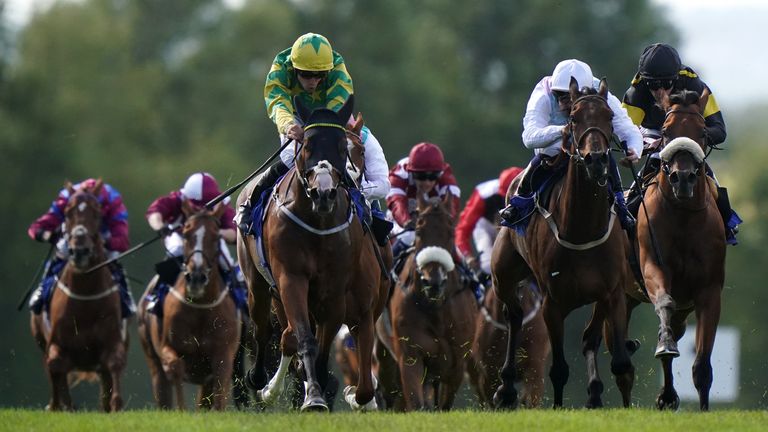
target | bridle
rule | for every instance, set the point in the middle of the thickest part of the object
(575, 155)
(209, 262)
(704, 135)
(302, 176)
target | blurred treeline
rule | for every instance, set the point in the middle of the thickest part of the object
(145, 92)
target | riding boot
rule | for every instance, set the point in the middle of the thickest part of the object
(127, 304)
(42, 294)
(731, 220)
(511, 213)
(634, 197)
(244, 217)
(625, 217)
(400, 252)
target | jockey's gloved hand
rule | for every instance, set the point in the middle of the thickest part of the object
(165, 231)
(43, 235)
(410, 225)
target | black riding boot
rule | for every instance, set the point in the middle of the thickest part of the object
(266, 180)
(650, 169)
(625, 216)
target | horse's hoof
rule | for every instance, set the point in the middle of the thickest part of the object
(255, 379)
(667, 350)
(349, 396)
(505, 399)
(593, 403)
(316, 404)
(663, 403)
(330, 391)
(632, 346)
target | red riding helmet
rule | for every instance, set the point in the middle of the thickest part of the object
(425, 157)
(200, 188)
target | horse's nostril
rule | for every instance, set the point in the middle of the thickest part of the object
(604, 158)
(314, 194)
(332, 194)
(588, 159)
(674, 178)
(691, 178)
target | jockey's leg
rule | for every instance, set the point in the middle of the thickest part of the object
(127, 304)
(625, 217)
(650, 169)
(527, 187)
(42, 293)
(731, 220)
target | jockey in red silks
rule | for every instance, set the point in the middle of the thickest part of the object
(166, 217)
(423, 171)
(114, 232)
(477, 222)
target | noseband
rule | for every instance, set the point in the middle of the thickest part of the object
(303, 175)
(576, 156)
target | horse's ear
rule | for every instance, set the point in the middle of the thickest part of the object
(218, 210)
(603, 89)
(345, 112)
(573, 88)
(97, 187)
(357, 124)
(68, 186)
(704, 99)
(421, 202)
(187, 208)
(301, 109)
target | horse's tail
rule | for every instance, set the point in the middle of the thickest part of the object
(239, 389)
(75, 378)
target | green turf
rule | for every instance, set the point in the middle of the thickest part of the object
(613, 420)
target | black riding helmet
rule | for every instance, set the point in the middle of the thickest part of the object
(659, 61)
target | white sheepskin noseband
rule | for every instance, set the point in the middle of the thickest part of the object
(682, 143)
(435, 254)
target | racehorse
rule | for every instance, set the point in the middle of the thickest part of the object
(432, 313)
(198, 335)
(688, 276)
(84, 330)
(323, 264)
(576, 253)
(490, 342)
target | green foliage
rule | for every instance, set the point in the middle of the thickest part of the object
(144, 92)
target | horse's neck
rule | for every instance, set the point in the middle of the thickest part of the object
(583, 207)
(82, 282)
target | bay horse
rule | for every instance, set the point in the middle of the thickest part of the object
(680, 205)
(322, 262)
(490, 343)
(84, 330)
(198, 335)
(577, 255)
(432, 312)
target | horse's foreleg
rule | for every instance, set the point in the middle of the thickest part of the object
(326, 332)
(58, 368)
(558, 373)
(506, 395)
(590, 344)
(115, 365)
(707, 318)
(450, 381)
(361, 397)
(173, 366)
(616, 330)
(534, 342)
(293, 291)
(412, 378)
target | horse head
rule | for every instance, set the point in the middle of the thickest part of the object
(321, 162)
(433, 243)
(590, 128)
(355, 149)
(201, 246)
(684, 116)
(82, 216)
(683, 165)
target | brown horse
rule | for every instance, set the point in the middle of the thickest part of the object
(322, 262)
(680, 206)
(577, 255)
(490, 344)
(432, 313)
(84, 330)
(200, 329)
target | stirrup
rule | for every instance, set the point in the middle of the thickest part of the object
(243, 217)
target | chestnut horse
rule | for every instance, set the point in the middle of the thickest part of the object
(322, 262)
(680, 205)
(84, 330)
(490, 345)
(198, 335)
(577, 255)
(432, 312)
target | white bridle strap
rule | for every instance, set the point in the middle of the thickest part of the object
(65, 289)
(211, 305)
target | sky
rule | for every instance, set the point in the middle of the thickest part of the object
(722, 40)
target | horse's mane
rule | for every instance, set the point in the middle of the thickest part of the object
(684, 97)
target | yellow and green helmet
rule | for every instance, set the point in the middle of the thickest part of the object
(312, 52)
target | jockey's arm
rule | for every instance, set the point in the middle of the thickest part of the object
(375, 184)
(626, 129)
(472, 213)
(229, 235)
(277, 98)
(537, 132)
(155, 221)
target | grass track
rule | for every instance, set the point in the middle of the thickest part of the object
(474, 421)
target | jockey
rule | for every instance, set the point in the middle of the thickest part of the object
(114, 232)
(312, 71)
(423, 171)
(660, 73)
(478, 222)
(166, 217)
(546, 118)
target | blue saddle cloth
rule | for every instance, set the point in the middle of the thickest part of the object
(237, 291)
(526, 205)
(41, 299)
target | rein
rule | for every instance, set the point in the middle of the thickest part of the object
(211, 305)
(66, 290)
